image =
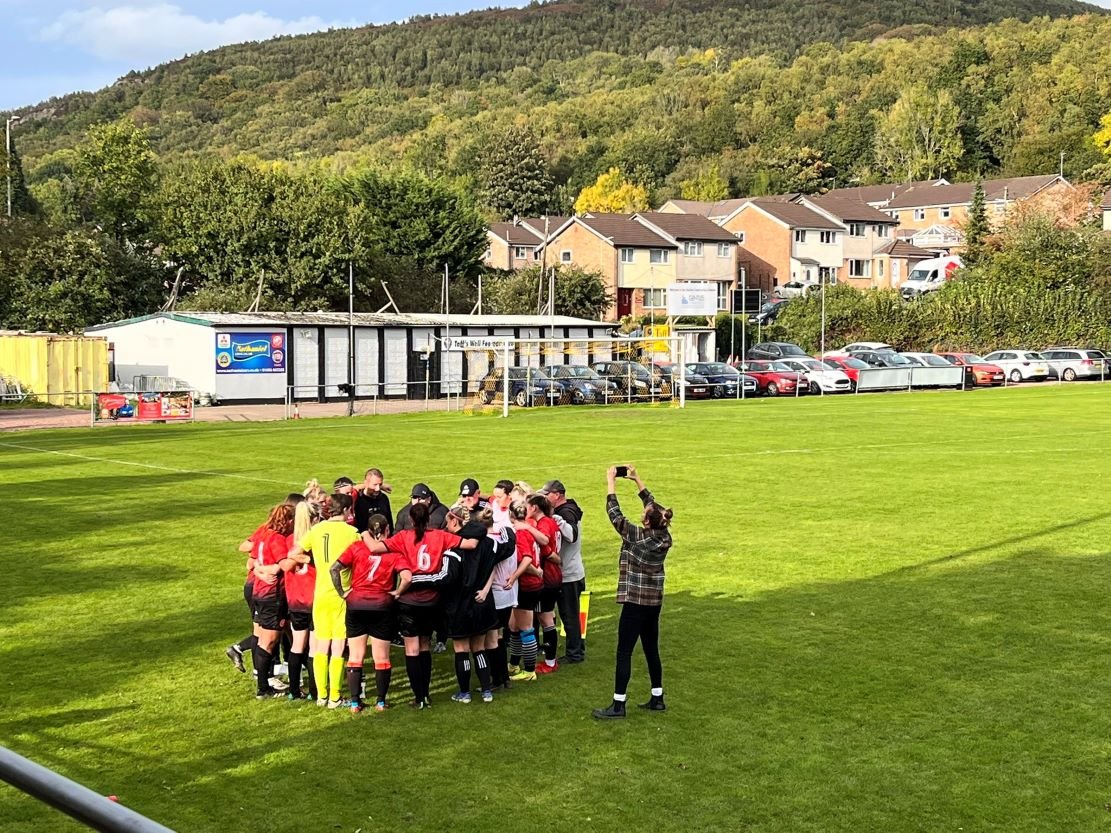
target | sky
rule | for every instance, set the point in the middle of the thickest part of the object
(53, 47)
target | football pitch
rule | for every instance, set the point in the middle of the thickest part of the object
(883, 613)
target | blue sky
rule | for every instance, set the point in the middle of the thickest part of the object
(52, 47)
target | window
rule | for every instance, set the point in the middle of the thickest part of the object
(655, 298)
(856, 229)
(740, 235)
(725, 249)
(565, 256)
(659, 256)
(860, 268)
(519, 253)
(882, 231)
(800, 235)
(489, 254)
(879, 268)
(919, 214)
(946, 213)
(626, 255)
(827, 236)
(692, 248)
(723, 296)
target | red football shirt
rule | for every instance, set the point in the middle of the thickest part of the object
(423, 558)
(270, 548)
(528, 548)
(373, 577)
(300, 586)
(553, 572)
(254, 538)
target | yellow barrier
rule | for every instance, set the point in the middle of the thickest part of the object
(57, 369)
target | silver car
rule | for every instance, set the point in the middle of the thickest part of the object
(1020, 365)
(1072, 363)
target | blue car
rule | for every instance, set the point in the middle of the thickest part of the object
(724, 379)
(582, 383)
(527, 386)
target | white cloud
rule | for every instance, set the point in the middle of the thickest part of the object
(141, 34)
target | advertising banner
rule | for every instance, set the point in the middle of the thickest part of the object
(170, 406)
(459, 343)
(692, 299)
(250, 352)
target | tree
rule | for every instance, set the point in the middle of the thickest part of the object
(23, 203)
(976, 228)
(1102, 137)
(612, 193)
(514, 177)
(580, 293)
(707, 185)
(114, 178)
(919, 138)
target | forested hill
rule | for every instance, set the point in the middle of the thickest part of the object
(203, 100)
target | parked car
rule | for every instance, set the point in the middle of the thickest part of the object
(862, 346)
(849, 365)
(527, 386)
(821, 377)
(1072, 363)
(776, 350)
(792, 289)
(882, 358)
(668, 375)
(1021, 365)
(929, 276)
(775, 378)
(633, 380)
(977, 371)
(724, 379)
(582, 384)
(769, 311)
(927, 359)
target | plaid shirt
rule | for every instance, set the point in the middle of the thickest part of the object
(641, 568)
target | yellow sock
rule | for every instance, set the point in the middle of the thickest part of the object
(320, 674)
(335, 676)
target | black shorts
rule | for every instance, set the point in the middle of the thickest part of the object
(269, 612)
(418, 620)
(300, 620)
(249, 597)
(549, 597)
(527, 599)
(503, 617)
(379, 624)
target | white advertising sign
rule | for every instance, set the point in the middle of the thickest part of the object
(692, 299)
(459, 343)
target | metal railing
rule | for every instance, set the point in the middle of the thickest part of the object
(90, 808)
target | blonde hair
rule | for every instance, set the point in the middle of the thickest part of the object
(302, 521)
(314, 492)
(521, 490)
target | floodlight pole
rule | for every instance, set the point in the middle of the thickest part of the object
(823, 318)
(350, 338)
(744, 321)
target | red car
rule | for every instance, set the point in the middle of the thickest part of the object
(977, 371)
(773, 378)
(849, 365)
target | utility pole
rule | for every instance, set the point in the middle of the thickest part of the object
(350, 339)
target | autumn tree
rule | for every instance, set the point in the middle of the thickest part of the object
(707, 185)
(919, 137)
(612, 193)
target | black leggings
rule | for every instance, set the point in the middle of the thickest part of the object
(638, 622)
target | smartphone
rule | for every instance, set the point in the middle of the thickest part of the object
(622, 471)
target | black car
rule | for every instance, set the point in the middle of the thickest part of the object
(776, 350)
(582, 384)
(723, 379)
(882, 358)
(633, 380)
(668, 375)
(769, 312)
(527, 386)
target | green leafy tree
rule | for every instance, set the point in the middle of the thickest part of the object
(23, 203)
(579, 292)
(707, 184)
(114, 177)
(612, 193)
(919, 138)
(514, 176)
(976, 228)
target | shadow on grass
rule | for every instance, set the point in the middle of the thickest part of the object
(919, 700)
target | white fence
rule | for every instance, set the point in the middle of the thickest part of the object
(906, 378)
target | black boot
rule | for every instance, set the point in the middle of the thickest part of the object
(615, 711)
(655, 704)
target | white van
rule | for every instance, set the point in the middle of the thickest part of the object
(929, 275)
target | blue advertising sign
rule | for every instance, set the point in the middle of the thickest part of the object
(250, 352)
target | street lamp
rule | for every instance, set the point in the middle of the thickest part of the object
(8, 157)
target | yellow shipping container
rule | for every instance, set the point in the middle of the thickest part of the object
(57, 369)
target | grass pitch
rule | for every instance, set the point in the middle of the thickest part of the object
(884, 613)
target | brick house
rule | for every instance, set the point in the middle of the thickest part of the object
(518, 244)
(866, 231)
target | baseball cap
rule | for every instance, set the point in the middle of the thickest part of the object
(468, 487)
(553, 486)
(421, 491)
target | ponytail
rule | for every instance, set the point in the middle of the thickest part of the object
(657, 517)
(418, 514)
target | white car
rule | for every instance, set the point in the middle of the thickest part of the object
(1020, 365)
(928, 359)
(792, 289)
(822, 378)
(861, 346)
(1072, 363)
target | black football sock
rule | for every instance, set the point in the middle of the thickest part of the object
(514, 647)
(247, 646)
(500, 664)
(482, 668)
(413, 669)
(463, 671)
(295, 666)
(426, 673)
(551, 642)
(382, 674)
(312, 677)
(287, 646)
(262, 659)
(355, 682)
(528, 649)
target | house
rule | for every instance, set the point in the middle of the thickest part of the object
(1107, 211)
(518, 244)
(639, 256)
(897, 260)
(878, 196)
(784, 241)
(867, 230)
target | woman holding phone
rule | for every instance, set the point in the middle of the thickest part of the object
(640, 590)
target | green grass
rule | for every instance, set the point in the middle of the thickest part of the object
(884, 613)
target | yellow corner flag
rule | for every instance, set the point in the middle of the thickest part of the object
(584, 614)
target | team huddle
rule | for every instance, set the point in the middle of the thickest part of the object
(330, 575)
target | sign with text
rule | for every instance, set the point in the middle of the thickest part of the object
(459, 343)
(692, 299)
(250, 352)
(148, 406)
